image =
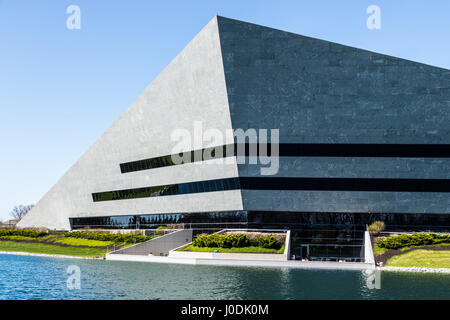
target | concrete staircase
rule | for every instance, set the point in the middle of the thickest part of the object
(159, 246)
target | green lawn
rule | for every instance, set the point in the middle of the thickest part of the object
(83, 242)
(377, 250)
(231, 250)
(60, 239)
(19, 238)
(421, 258)
(13, 246)
(59, 244)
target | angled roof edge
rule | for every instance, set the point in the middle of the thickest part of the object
(327, 41)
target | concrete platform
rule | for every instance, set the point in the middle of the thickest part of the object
(246, 263)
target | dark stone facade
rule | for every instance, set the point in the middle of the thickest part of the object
(317, 91)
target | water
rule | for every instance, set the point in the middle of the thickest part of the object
(27, 277)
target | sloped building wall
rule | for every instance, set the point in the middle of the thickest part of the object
(192, 88)
(236, 75)
(318, 92)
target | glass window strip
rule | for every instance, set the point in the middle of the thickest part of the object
(274, 183)
(188, 157)
(300, 150)
(166, 190)
(277, 220)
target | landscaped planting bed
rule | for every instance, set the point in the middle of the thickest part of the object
(238, 242)
(426, 250)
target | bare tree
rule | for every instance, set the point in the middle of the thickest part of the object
(20, 211)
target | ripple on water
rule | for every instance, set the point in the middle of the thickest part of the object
(28, 277)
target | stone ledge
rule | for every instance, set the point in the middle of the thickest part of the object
(415, 269)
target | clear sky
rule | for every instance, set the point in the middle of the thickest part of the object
(60, 89)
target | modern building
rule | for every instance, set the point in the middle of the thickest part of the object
(363, 136)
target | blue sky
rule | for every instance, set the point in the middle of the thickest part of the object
(60, 89)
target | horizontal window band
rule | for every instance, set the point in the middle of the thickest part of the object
(365, 150)
(345, 184)
(180, 158)
(303, 224)
(294, 150)
(272, 183)
(169, 190)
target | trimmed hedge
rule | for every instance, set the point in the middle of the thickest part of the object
(268, 241)
(21, 232)
(116, 237)
(415, 239)
(235, 241)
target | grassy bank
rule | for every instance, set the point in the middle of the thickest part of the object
(60, 240)
(251, 249)
(79, 244)
(42, 248)
(421, 258)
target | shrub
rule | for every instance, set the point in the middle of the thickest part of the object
(209, 241)
(161, 230)
(377, 227)
(116, 237)
(268, 241)
(239, 240)
(235, 241)
(415, 239)
(22, 232)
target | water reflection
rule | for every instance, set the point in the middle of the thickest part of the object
(23, 277)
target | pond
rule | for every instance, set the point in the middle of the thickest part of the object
(29, 277)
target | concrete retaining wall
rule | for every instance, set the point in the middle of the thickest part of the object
(244, 263)
(368, 252)
(159, 246)
(287, 248)
(228, 256)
